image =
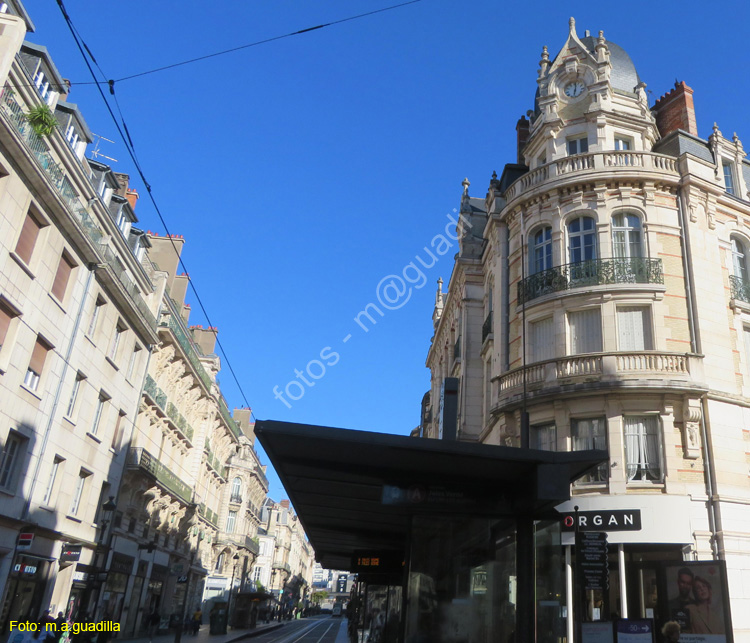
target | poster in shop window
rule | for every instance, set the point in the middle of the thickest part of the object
(697, 601)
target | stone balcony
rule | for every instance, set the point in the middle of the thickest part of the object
(601, 371)
(612, 164)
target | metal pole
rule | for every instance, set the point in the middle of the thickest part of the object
(569, 622)
(623, 584)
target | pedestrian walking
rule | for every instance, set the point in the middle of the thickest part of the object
(153, 625)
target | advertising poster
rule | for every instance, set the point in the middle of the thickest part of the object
(696, 600)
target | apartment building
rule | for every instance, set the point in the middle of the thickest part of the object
(600, 300)
(77, 322)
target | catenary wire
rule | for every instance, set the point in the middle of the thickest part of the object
(224, 51)
(81, 48)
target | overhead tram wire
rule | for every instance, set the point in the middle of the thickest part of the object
(227, 51)
(126, 138)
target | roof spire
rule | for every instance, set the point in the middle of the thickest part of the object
(466, 185)
(572, 26)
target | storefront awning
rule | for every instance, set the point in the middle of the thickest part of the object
(356, 491)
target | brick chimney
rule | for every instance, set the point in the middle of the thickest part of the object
(285, 504)
(675, 110)
(132, 196)
(522, 136)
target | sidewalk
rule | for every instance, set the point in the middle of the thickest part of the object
(343, 636)
(203, 635)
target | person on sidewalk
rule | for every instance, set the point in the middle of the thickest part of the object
(153, 625)
(197, 620)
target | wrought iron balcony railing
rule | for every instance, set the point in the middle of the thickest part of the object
(141, 459)
(739, 288)
(595, 272)
(235, 498)
(487, 326)
(208, 514)
(184, 341)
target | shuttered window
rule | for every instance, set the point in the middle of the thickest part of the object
(36, 364)
(27, 240)
(541, 340)
(585, 331)
(6, 317)
(634, 328)
(64, 268)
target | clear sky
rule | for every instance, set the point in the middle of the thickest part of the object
(303, 172)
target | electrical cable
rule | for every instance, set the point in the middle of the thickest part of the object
(127, 141)
(224, 51)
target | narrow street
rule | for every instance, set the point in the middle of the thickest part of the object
(307, 631)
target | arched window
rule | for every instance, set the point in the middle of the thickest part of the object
(739, 259)
(582, 239)
(540, 252)
(627, 240)
(219, 562)
(236, 489)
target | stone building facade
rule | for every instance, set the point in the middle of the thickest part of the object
(600, 300)
(77, 323)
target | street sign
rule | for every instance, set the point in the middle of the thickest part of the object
(25, 541)
(591, 559)
(70, 553)
(182, 579)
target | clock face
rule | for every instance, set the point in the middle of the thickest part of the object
(574, 89)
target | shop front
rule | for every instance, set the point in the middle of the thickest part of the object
(27, 583)
(473, 527)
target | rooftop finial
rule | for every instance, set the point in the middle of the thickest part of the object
(572, 25)
(466, 185)
(494, 174)
(440, 284)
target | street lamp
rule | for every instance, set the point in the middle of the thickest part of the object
(107, 510)
(235, 558)
(101, 576)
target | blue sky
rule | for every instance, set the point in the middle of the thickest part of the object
(304, 172)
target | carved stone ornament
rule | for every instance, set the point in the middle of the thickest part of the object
(691, 442)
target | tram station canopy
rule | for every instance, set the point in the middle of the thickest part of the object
(356, 491)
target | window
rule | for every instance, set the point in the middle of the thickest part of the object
(78, 494)
(578, 146)
(634, 328)
(219, 562)
(540, 255)
(582, 239)
(544, 437)
(56, 464)
(11, 460)
(589, 434)
(100, 404)
(74, 395)
(231, 521)
(7, 315)
(72, 136)
(642, 448)
(36, 364)
(95, 316)
(119, 332)
(728, 177)
(42, 84)
(236, 489)
(117, 435)
(739, 259)
(62, 276)
(133, 360)
(27, 240)
(623, 144)
(541, 340)
(256, 574)
(746, 337)
(585, 331)
(626, 236)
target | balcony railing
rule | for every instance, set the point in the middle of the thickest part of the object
(261, 476)
(282, 566)
(233, 426)
(487, 326)
(613, 161)
(654, 365)
(57, 177)
(208, 514)
(179, 421)
(139, 458)
(595, 272)
(739, 288)
(151, 388)
(235, 498)
(184, 341)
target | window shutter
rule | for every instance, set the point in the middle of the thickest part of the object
(38, 355)
(27, 240)
(61, 278)
(634, 325)
(5, 318)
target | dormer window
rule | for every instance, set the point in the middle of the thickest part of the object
(72, 136)
(728, 178)
(42, 84)
(122, 221)
(578, 146)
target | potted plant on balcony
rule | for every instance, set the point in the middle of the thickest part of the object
(42, 120)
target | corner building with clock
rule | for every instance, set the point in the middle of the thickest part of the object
(601, 299)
